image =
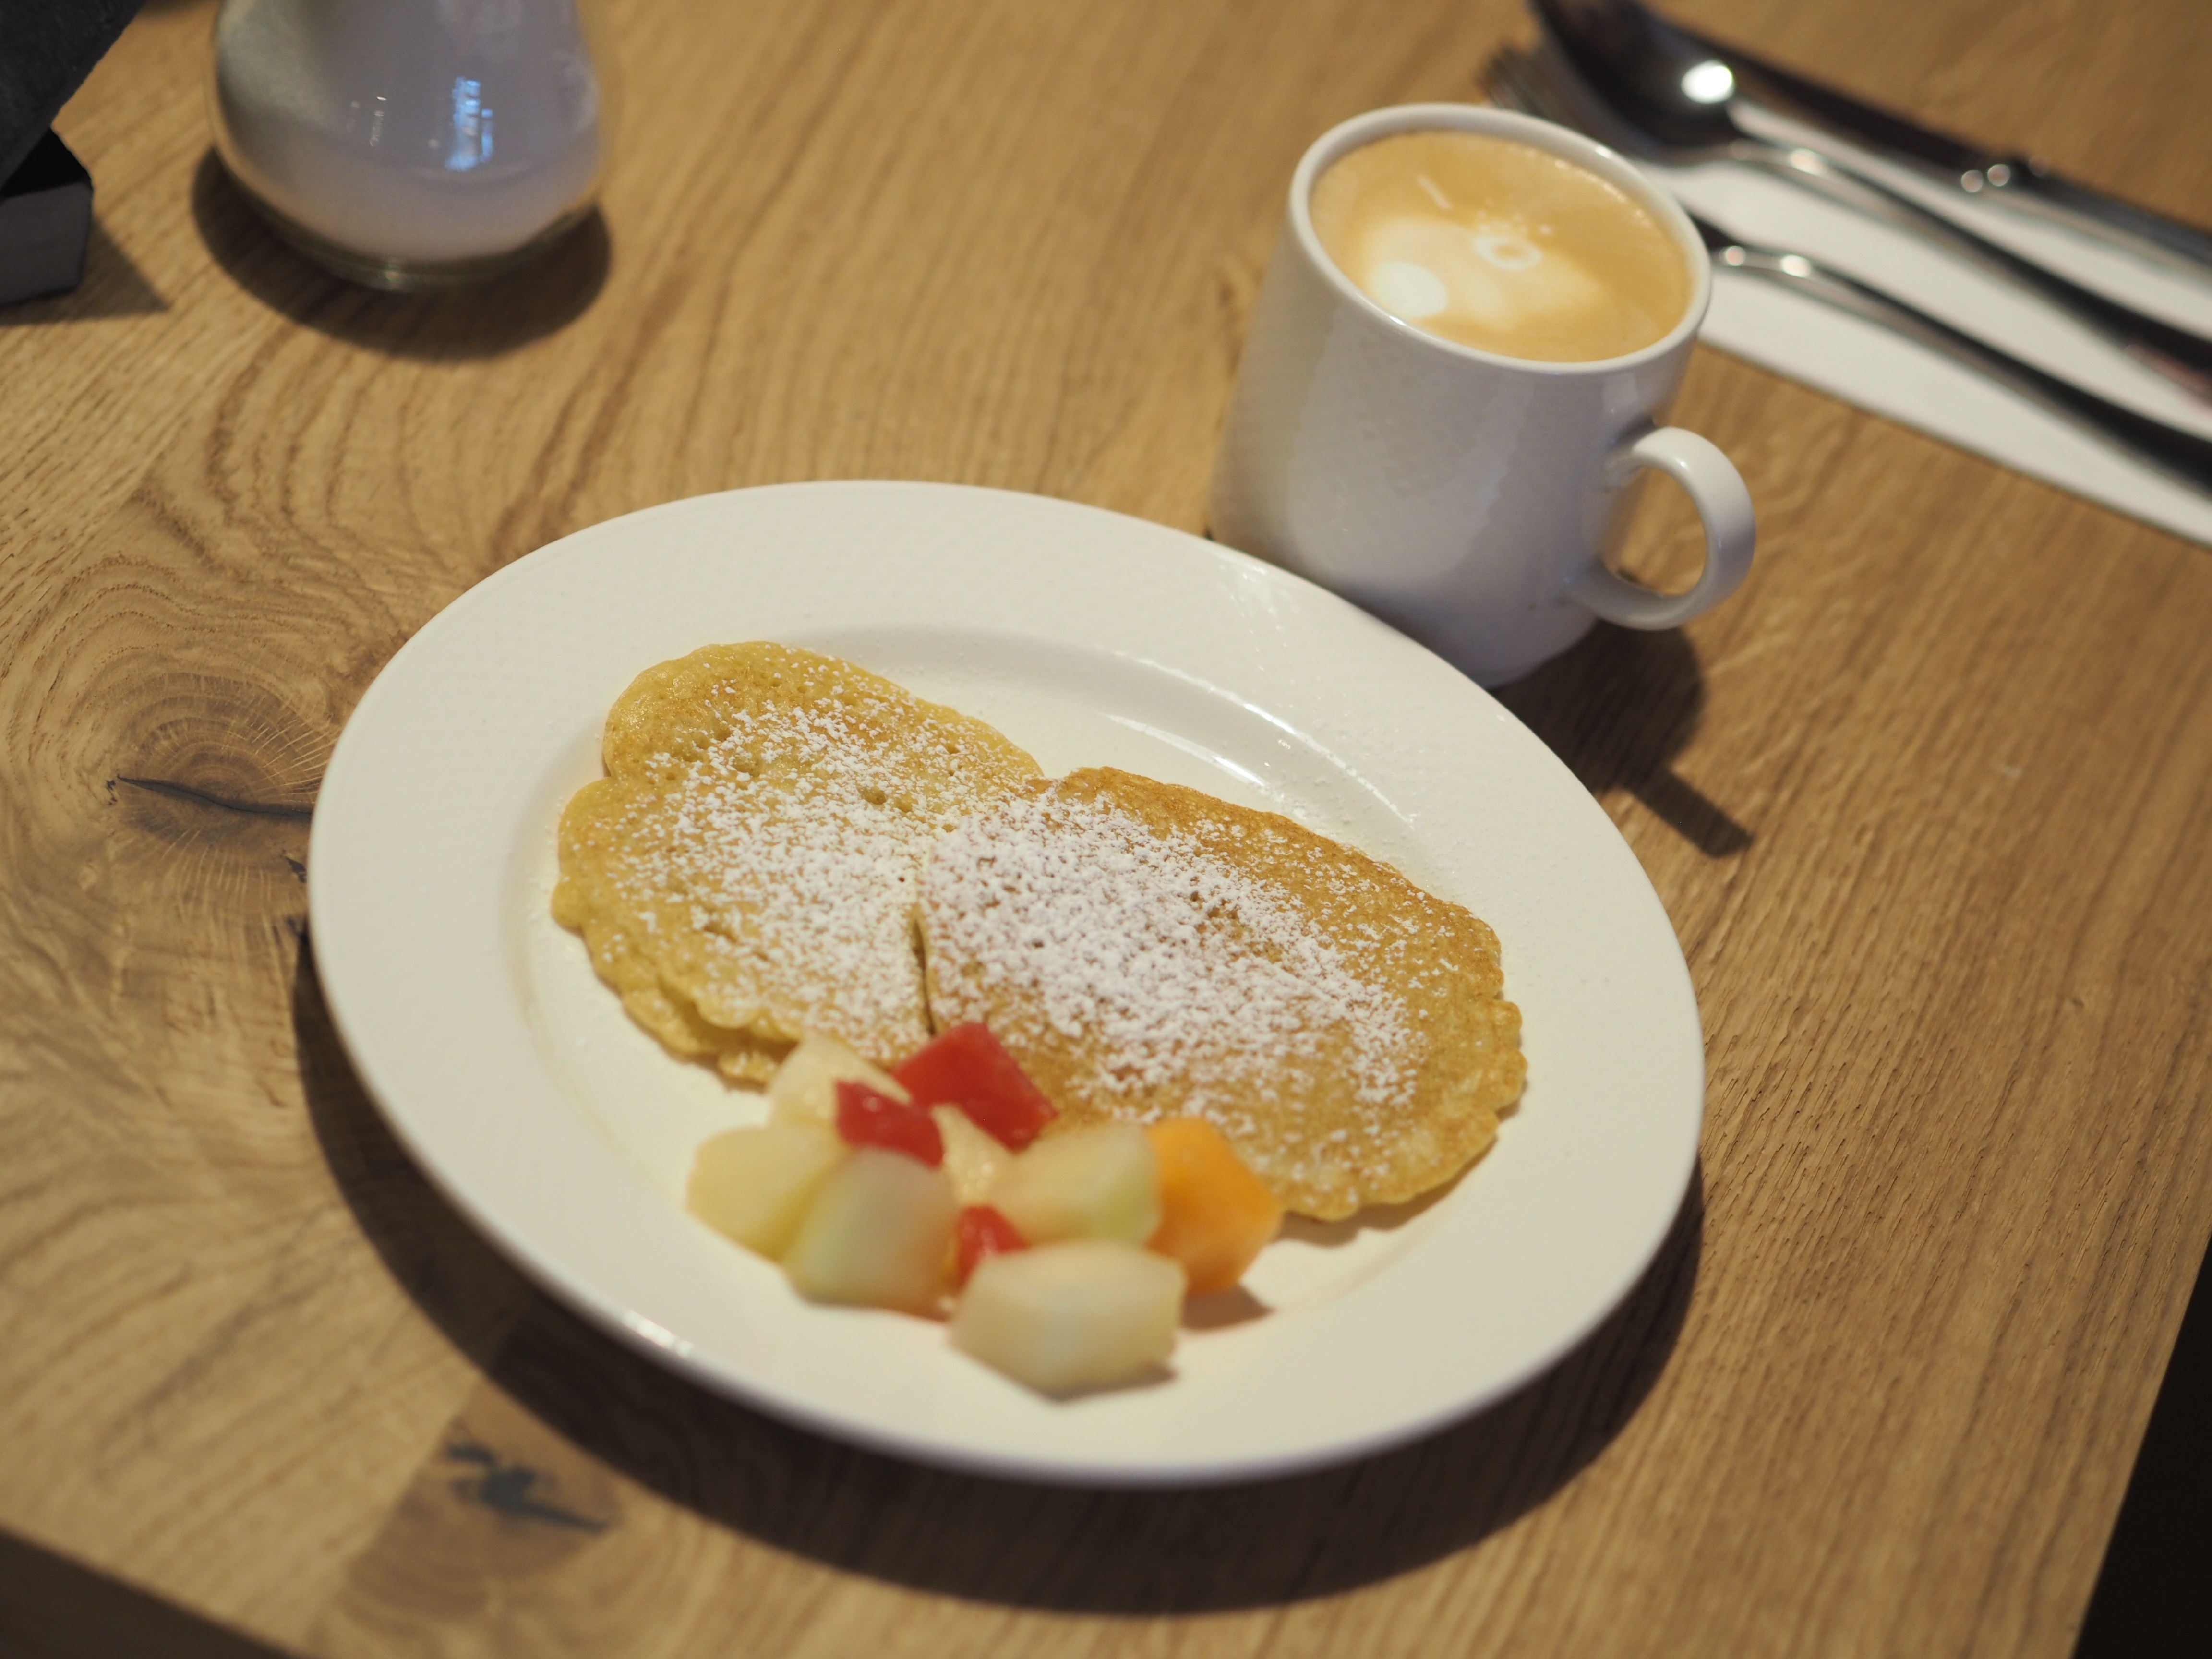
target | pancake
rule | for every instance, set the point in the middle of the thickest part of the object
(746, 870)
(1146, 952)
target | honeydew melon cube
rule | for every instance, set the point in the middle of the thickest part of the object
(878, 1234)
(755, 1185)
(804, 1089)
(1098, 1182)
(974, 1160)
(1085, 1314)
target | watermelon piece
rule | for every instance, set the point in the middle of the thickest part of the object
(965, 1066)
(866, 1118)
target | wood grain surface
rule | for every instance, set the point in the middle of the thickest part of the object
(1926, 803)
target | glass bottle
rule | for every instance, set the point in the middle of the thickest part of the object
(411, 143)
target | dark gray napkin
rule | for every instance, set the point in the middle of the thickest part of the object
(46, 49)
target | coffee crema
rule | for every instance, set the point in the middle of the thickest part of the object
(1500, 245)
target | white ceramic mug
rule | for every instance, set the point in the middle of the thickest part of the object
(1469, 498)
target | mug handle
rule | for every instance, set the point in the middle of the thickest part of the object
(1717, 491)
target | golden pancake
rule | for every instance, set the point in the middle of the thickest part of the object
(746, 870)
(1146, 952)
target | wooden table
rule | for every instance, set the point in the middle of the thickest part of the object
(1926, 803)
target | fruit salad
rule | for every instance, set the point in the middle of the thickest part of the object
(1064, 1254)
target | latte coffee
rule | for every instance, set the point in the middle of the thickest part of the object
(1500, 245)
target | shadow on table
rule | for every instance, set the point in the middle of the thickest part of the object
(2150, 1592)
(1617, 708)
(114, 286)
(52, 1608)
(986, 1539)
(479, 321)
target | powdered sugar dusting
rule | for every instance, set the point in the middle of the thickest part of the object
(784, 849)
(1171, 967)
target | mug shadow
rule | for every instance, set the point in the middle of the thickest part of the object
(482, 320)
(1202, 1550)
(1617, 707)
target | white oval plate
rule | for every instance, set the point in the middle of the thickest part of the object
(564, 1133)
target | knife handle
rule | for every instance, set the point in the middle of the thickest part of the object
(2030, 184)
(2182, 355)
(2026, 181)
(2183, 456)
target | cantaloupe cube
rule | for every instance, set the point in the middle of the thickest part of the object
(1085, 1314)
(878, 1233)
(755, 1185)
(1099, 1183)
(1216, 1216)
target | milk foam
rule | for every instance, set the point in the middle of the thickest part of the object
(1500, 245)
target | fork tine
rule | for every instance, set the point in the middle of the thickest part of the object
(1504, 79)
